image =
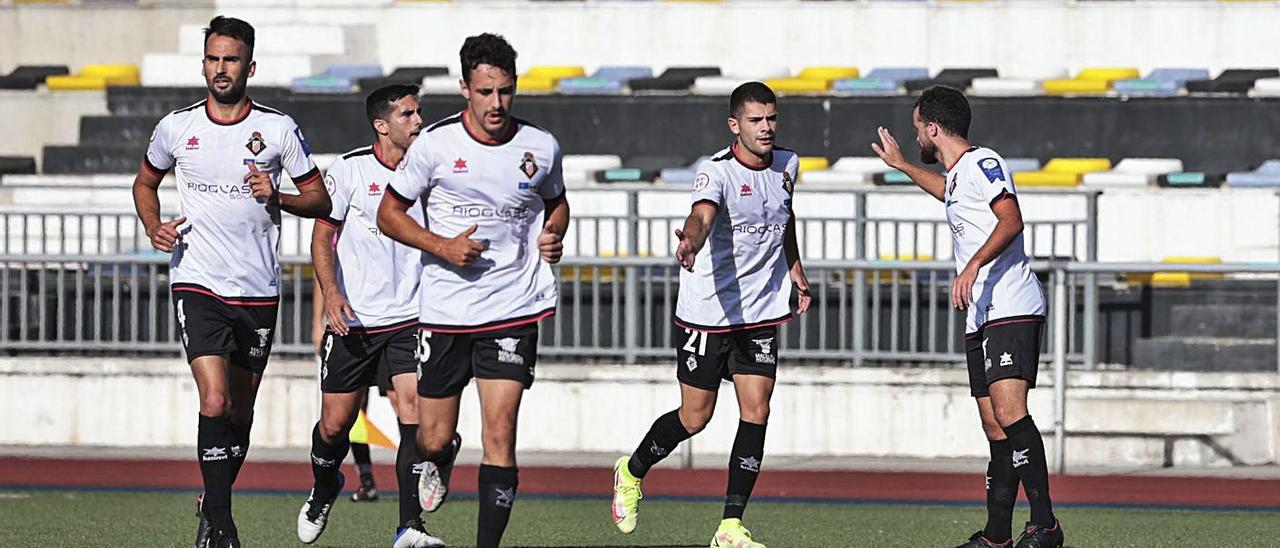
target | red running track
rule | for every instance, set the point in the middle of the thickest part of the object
(819, 485)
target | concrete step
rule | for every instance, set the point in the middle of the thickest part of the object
(1205, 354)
(116, 129)
(1223, 320)
(94, 158)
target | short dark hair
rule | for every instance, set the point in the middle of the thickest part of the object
(379, 103)
(231, 28)
(750, 92)
(947, 107)
(487, 49)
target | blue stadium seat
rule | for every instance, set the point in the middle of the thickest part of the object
(589, 86)
(1161, 81)
(880, 81)
(681, 175)
(1266, 176)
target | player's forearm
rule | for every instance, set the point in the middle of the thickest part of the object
(399, 226)
(1005, 232)
(310, 204)
(322, 258)
(146, 201)
(790, 245)
(558, 216)
(932, 182)
(696, 231)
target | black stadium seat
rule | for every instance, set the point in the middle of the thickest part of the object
(30, 76)
(1231, 81)
(402, 75)
(17, 165)
(959, 78)
(94, 158)
(673, 79)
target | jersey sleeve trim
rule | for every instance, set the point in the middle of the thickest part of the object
(330, 221)
(391, 191)
(146, 164)
(307, 178)
(1003, 194)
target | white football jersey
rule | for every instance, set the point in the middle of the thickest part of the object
(740, 276)
(1005, 287)
(462, 181)
(230, 241)
(378, 276)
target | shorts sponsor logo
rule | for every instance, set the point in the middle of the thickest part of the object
(507, 351)
(505, 497)
(764, 355)
(691, 363)
(1020, 458)
(214, 454)
(1006, 359)
(749, 464)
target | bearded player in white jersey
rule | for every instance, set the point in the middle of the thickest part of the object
(740, 259)
(492, 190)
(370, 287)
(1005, 304)
(227, 154)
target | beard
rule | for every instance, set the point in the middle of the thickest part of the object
(231, 96)
(929, 154)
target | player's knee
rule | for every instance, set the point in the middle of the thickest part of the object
(407, 408)
(695, 419)
(993, 430)
(757, 413)
(1008, 414)
(433, 443)
(215, 404)
(332, 428)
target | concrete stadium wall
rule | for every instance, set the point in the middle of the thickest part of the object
(1116, 418)
(35, 119)
(1023, 38)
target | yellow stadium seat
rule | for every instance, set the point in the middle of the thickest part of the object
(829, 73)
(535, 84)
(1089, 81)
(798, 85)
(66, 82)
(115, 75)
(1176, 279)
(1061, 172)
(814, 163)
(887, 275)
(555, 72)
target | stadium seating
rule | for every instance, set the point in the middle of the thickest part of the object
(880, 81)
(95, 77)
(1267, 176)
(444, 84)
(1134, 172)
(1232, 81)
(848, 170)
(960, 78)
(30, 76)
(1061, 172)
(1267, 87)
(610, 80)
(638, 169)
(17, 165)
(402, 75)
(583, 167)
(1189, 179)
(1005, 87)
(892, 177)
(1089, 81)
(681, 175)
(672, 80)
(1161, 81)
(811, 80)
(336, 79)
(724, 85)
(543, 79)
(1176, 279)
(1018, 165)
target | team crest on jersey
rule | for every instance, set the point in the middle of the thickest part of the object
(527, 165)
(745, 191)
(787, 184)
(701, 181)
(256, 145)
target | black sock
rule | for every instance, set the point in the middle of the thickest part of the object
(326, 463)
(213, 449)
(497, 494)
(744, 467)
(664, 436)
(360, 454)
(1028, 460)
(1002, 492)
(407, 472)
(240, 450)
